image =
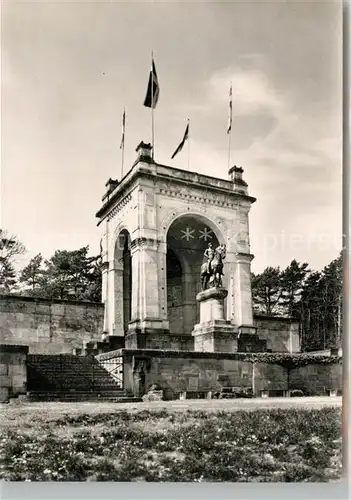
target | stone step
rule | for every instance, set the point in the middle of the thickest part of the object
(69, 392)
(89, 397)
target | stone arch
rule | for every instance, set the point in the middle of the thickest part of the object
(187, 234)
(175, 272)
(120, 228)
(218, 225)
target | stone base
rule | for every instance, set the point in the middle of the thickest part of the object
(148, 325)
(214, 333)
(247, 330)
(151, 339)
(143, 333)
(211, 304)
(249, 341)
(215, 336)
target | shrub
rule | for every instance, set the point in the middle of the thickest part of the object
(296, 393)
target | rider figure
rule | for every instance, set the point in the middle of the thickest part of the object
(209, 254)
(220, 251)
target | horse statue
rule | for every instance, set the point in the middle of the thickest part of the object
(212, 271)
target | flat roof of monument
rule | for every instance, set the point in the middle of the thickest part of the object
(145, 167)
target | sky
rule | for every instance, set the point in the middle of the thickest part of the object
(69, 69)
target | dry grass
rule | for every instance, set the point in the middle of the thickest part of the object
(87, 442)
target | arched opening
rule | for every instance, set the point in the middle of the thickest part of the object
(187, 239)
(123, 282)
(174, 292)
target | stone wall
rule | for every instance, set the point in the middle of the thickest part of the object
(282, 334)
(197, 372)
(269, 377)
(13, 371)
(314, 379)
(49, 326)
(179, 372)
(57, 327)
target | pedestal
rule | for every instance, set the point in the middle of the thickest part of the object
(214, 333)
(147, 334)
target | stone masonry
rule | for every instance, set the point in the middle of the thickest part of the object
(144, 207)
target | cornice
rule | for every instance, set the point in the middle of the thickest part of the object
(190, 180)
(124, 202)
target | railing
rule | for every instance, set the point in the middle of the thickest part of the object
(64, 372)
(114, 366)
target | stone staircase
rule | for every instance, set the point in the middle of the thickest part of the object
(82, 396)
(66, 377)
(106, 344)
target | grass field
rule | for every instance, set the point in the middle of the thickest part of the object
(89, 442)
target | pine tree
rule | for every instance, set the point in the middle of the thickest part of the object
(8, 280)
(10, 248)
(266, 290)
(71, 275)
(292, 280)
(32, 275)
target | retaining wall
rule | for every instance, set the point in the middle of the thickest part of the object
(49, 326)
(13, 371)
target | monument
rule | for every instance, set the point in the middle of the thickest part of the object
(157, 223)
(214, 332)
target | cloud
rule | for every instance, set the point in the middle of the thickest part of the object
(253, 91)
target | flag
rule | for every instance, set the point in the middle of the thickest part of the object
(180, 147)
(153, 89)
(123, 129)
(230, 117)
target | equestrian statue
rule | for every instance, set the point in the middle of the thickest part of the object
(212, 270)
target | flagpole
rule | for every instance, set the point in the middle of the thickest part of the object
(188, 145)
(230, 122)
(229, 146)
(152, 106)
(124, 138)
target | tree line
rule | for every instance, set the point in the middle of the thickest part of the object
(67, 274)
(314, 298)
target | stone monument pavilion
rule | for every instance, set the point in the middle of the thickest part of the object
(156, 224)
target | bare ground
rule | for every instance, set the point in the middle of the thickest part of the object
(20, 414)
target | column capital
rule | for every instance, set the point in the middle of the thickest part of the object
(244, 257)
(147, 243)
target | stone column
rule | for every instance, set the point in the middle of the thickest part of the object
(104, 294)
(118, 327)
(189, 302)
(147, 318)
(243, 295)
(162, 279)
(230, 271)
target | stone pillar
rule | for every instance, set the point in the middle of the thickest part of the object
(230, 272)
(243, 295)
(118, 326)
(189, 304)
(162, 279)
(104, 294)
(147, 318)
(214, 333)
